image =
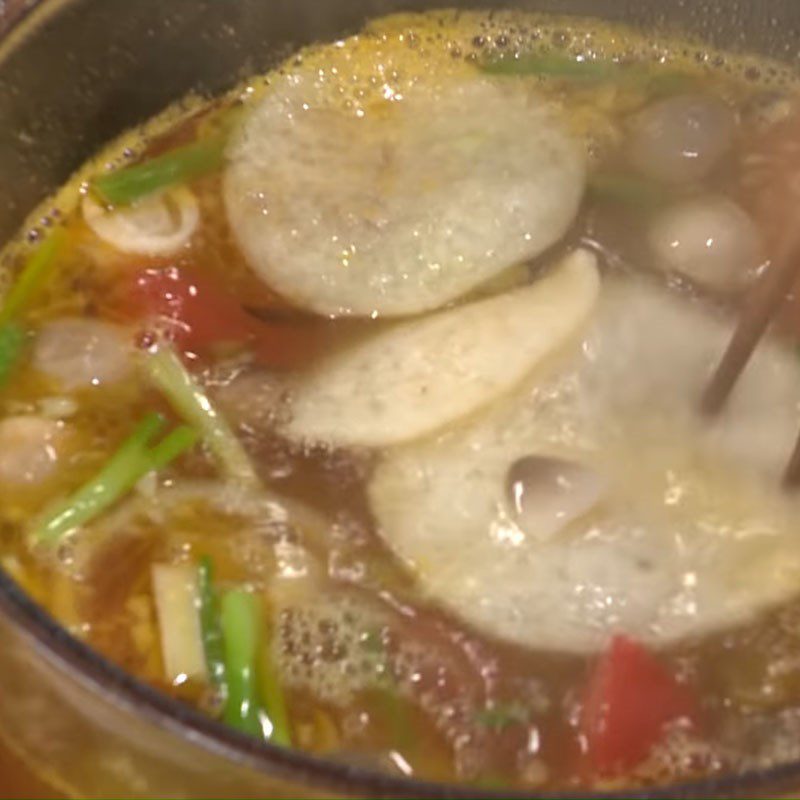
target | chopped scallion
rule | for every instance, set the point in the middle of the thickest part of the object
(12, 342)
(657, 82)
(132, 461)
(551, 65)
(170, 376)
(240, 621)
(273, 698)
(171, 446)
(209, 623)
(181, 165)
(32, 276)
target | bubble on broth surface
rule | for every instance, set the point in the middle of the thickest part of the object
(693, 534)
(327, 645)
(336, 645)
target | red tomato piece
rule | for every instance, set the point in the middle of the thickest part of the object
(200, 316)
(630, 699)
(195, 312)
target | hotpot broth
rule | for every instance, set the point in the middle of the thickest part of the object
(372, 671)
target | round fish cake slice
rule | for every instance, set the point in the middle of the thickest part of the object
(401, 204)
(422, 374)
(692, 533)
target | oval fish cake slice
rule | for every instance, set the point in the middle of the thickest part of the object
(693, 533)
(403, 202)
(422, 374)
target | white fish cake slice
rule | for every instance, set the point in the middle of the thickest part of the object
(693, 535)
(422, 374)
(398, 206)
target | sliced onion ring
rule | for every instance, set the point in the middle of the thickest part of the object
(157, 225)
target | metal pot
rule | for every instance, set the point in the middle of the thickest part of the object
(73, 74)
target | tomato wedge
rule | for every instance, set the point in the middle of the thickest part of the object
(630, 699)
(194, 313)
(201, 316)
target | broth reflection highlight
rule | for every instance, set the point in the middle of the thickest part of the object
(358, 407)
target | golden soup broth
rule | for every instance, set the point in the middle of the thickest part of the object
(375, 671)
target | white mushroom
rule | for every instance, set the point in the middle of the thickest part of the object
(78, 353)
(682, 138)
(710, 239)
(29, 449)
(157, 225)
(403, 205)
(546, 494)
(420, 375)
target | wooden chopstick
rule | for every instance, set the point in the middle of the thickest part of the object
(760, 308)
(791, 478)
(763, 304)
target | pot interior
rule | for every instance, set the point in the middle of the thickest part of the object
(74, 74)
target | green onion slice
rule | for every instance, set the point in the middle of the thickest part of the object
(170, 376)
(181, 165)
(131, 462)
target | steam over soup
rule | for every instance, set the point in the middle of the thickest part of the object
(359, 407)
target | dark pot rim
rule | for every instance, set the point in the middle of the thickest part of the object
(122, 690)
